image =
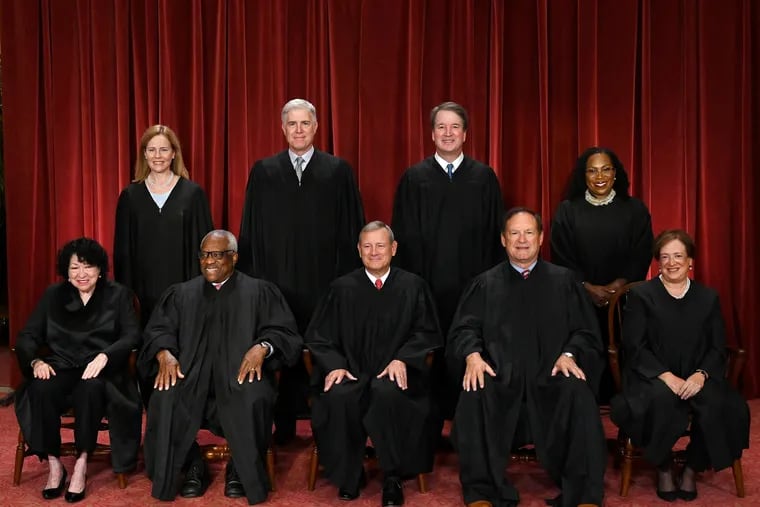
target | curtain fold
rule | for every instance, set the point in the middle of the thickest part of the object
(670, 85)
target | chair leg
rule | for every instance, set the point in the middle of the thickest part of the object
(19, 464)
(738, 478)
(122, 478)
(270, 468)
(625, 473)
(313, 465)
(421, 483)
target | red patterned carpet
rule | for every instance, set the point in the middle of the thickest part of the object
(292, 463)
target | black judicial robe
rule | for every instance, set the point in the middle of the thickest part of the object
(362, 329)
(209, 332)
(75, 334)
(603, 243)
(300, 237)
(521, 327)
(662, 333)
(448, 231)
(156, 247)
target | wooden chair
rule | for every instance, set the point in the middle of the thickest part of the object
(627, 452)
(314, 463)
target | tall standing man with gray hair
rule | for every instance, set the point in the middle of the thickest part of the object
(301, 218)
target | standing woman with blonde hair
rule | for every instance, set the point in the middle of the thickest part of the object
(161, 218)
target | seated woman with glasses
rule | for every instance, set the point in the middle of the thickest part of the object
(674, 367)
(602, 233)
(74, 353)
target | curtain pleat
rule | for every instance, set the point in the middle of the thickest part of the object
(670, 85)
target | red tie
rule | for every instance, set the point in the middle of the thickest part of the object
(526, 274)
(378, 284)
(218, 286)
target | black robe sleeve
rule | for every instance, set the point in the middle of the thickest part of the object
(639, 356)
(160, 334)
(350, 221)
(424, 336)
(32, 336)
(129, 330)
(122, 244)
(563, 247)
(466, 334)
(714, 360)
(320, 336)
(246, 259)
(640, 254)
(407, 226)
(278, 327)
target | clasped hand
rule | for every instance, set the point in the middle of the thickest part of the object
(601, 294)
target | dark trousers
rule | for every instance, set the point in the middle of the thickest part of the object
(397, 422)
(293, 389)
(567, 432)
(49, 399)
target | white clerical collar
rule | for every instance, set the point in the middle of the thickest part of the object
(373, 278)
(443, 163)
(306, 157)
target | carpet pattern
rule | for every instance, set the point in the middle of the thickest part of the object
(715, 489)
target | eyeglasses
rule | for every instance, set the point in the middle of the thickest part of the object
(596, 171)
(214, 255)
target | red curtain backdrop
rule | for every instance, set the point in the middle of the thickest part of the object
(670, 85)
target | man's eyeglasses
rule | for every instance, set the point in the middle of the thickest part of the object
(214, 255)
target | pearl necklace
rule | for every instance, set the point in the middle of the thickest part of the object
(604, 201)
(685, 289)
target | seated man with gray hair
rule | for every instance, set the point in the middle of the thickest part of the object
(369, 338)
(212, 345)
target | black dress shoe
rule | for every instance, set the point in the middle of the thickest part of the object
(392, 492)
(233, 488)
(347, 494)
(687, 496)
(74, 497)
(196, 481)
(50, 493)
(668, 496)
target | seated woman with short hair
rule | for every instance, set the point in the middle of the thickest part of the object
(88, 327)
(674, 368)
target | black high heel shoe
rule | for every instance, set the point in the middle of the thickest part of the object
(76, 497)
(668, 496)
(51, 493)
(688, 495)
